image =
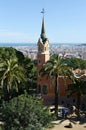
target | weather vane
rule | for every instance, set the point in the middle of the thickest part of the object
(43, 11)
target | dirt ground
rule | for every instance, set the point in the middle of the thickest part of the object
(75, 127)
(62, 124)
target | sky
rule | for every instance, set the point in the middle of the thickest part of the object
(21, 20)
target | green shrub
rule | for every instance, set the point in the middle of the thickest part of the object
(25, 113)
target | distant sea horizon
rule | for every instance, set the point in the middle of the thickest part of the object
(34, 44)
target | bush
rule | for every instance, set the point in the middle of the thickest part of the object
(25, 113)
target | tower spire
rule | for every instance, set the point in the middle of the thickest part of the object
(43, 34)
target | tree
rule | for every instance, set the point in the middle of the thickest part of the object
(56, 67)
(30, 69)
(31, 73)
(77, 63)
(9, 53)
(25, 113)
(11, 76)
(78, 88)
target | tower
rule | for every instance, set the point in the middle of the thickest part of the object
(43, 56)
(43, 47)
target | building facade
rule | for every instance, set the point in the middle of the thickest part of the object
(43, 55)
(45, 83)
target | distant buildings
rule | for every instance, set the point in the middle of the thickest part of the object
(63, 50)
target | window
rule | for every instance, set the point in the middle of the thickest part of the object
(39, 61)
(68, 105)
(74, 100)
(39, 88)
(62, 102)
(83, 106)
(68, 96)
(44, 89)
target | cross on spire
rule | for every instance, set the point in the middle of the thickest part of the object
(43, 34)
(43, 11)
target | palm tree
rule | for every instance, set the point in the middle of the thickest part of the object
(11, 75)
(56, 67)
(78, 88)
(31, 73)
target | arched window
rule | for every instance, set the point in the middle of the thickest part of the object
(39, 88)
(74, 100)
(44, 89)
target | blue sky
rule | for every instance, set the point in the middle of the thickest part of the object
(20, 20)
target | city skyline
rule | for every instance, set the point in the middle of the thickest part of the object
(21, 21)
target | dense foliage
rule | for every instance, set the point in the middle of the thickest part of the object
(11, 76)
(17, 73)
(25, 113)
(77, 63)
(9, 52)
(78, 87)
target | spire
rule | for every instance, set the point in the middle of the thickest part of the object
(43, 34)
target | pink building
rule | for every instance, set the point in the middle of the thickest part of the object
(46, 85)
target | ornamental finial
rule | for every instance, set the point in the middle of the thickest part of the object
(43, 11)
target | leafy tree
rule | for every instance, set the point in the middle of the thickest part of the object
(78, 88)
(11, 76)
(77, 63)
(25, 113)
(31, 73)
(55, 67)
(7, 52)
(30, 69)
